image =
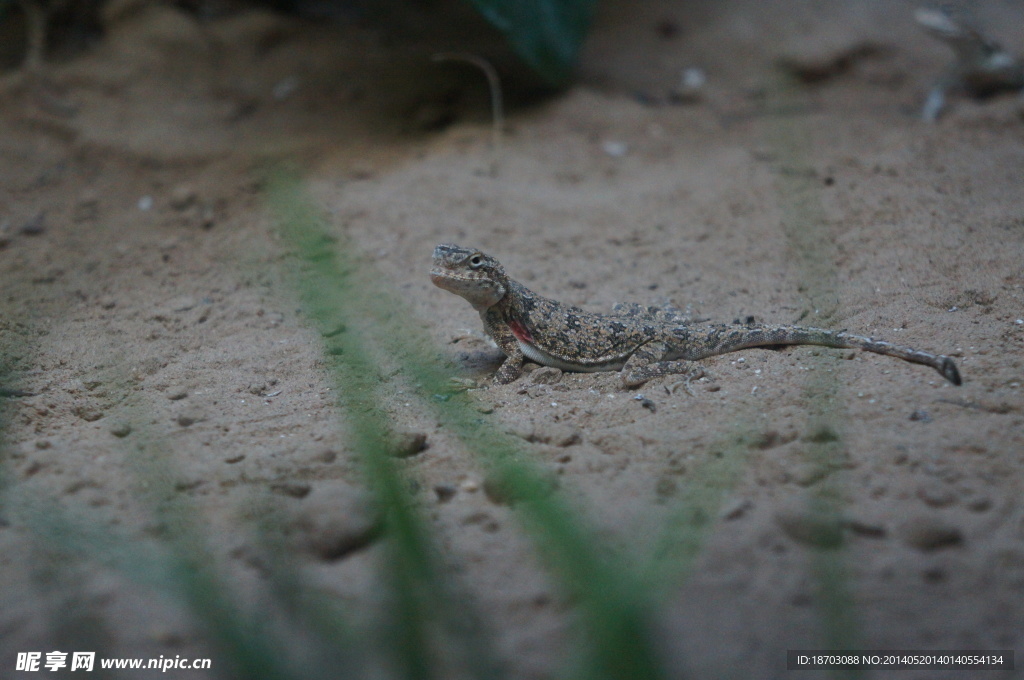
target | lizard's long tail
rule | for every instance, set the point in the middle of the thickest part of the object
(724, 339)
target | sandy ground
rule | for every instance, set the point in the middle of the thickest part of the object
(148, 321)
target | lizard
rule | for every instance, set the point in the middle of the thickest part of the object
(640, 342)
(981, 68)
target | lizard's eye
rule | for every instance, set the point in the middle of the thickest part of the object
(475, 261)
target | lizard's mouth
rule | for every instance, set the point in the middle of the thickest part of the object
(444, 278)
(439, 276)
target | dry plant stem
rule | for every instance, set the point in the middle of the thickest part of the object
(493, 82)
(35, 30)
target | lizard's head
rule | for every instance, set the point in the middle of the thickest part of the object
(469, 273)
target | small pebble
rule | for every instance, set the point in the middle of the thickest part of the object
(928, 533)
(666, 487)
(88, 414)
(187, 419)
(936, 494)
(146, 203)
(291, 489)
(183, 196)
(335, 519)
(615, 149)
(405, 444)
(121, 430)
(445, 492)
(806, 474)
(35, 226)
(735, 508)
(547, 375)
(814, 529)
(326, 456)
(285, 88)
(691, 83)
(646, 403)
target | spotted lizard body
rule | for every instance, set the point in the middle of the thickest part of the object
(641, 342)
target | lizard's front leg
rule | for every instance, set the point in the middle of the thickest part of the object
(646, 364)
(496, 327)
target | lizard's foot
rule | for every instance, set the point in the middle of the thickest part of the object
(462, 384)
(638, 375)
(695, 374)
(509, 371)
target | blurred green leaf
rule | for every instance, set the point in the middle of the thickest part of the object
(547, 34)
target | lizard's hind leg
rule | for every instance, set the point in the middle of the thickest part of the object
(646, 364)
(724, 339)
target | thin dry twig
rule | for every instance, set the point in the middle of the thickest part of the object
(493, 82)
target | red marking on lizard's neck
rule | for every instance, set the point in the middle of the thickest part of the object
(520, 331)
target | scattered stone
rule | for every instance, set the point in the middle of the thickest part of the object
(823, 435)
(921, 416)
(120, 430)
(647, 403)
(236, 458)
(690, 86)
(615, 148)
(187, 484)
(547, 375)
(979, 503)
(936, 494)
(35, 226)
(928, 533)
(865, 528)
(484, 520)
(820, 530)
(555, 434)
(666, 487)
(444, 492)
(89, 414)
(326, 456)
(812, 67)
(500, 492)
(735, 508)
(405, 444)
(188, 419)
(291, 489)
(182, 304)
(177, 393)
(334, 520)
(183, 196)
(87, 207)
(806, 474)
